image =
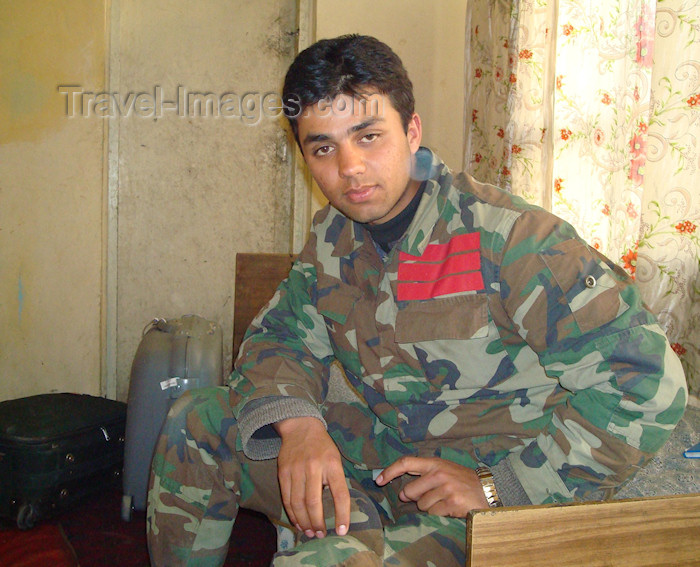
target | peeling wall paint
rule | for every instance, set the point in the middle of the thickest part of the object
(194, 190)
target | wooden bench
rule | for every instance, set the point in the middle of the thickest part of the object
(654, 531)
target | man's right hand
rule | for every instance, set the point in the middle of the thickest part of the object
(308, 461)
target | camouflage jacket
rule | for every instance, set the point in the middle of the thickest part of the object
(491, 333)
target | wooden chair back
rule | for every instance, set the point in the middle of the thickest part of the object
(257, 278)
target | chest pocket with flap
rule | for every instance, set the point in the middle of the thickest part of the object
(457, 317)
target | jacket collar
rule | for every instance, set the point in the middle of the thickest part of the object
(437, 180)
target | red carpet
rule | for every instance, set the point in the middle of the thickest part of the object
(47, 543)
(100, 538)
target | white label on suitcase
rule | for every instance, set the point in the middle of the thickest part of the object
(170, 383)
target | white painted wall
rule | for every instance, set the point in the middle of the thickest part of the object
(51, 194)
(163, 203)
(105, 224)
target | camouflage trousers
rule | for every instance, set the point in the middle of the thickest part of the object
(200, 477)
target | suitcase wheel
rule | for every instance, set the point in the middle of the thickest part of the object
(127, 508)
(26, 516)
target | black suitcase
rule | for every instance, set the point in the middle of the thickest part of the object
(56, 449)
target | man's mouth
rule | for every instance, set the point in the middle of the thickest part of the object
(360, 194)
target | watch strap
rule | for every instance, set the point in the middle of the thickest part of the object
(487, 483)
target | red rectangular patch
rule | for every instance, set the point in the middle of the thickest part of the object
(423, 271)
(442, 269)
(438, 252)
(452, 284)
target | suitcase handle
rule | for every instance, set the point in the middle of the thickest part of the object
(157, 323)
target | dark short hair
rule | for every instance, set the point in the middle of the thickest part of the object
(346, 65)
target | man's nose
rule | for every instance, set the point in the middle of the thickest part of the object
(350, 162)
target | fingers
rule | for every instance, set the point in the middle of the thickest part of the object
(302, 497)
(442, 487)
(425, 491)
(405, 465)
(313, 504)
(341, 502)
(307, 462)
(303, 502)
(286, 492)
(433, 496)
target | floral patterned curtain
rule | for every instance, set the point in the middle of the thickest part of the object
(592, 110)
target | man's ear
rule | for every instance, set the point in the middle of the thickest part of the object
(414, 132)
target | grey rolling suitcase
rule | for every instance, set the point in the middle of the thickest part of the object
(174, 355)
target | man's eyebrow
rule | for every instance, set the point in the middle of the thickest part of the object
(366, 124)
(311, 137)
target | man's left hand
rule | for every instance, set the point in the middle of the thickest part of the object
(443, 488)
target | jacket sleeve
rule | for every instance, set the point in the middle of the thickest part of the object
(621, 388)
(285, 353)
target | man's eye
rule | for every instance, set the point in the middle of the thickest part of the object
(322, 151)
(370, 137)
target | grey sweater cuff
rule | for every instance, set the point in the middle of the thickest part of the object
(259, 438)
(509, 489)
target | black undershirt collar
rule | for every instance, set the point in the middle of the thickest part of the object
(387, 234)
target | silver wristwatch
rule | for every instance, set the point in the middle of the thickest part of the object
(489, 487)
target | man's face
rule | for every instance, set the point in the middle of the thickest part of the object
(360, 155)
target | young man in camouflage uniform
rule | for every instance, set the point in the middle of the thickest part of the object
(495, 357)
